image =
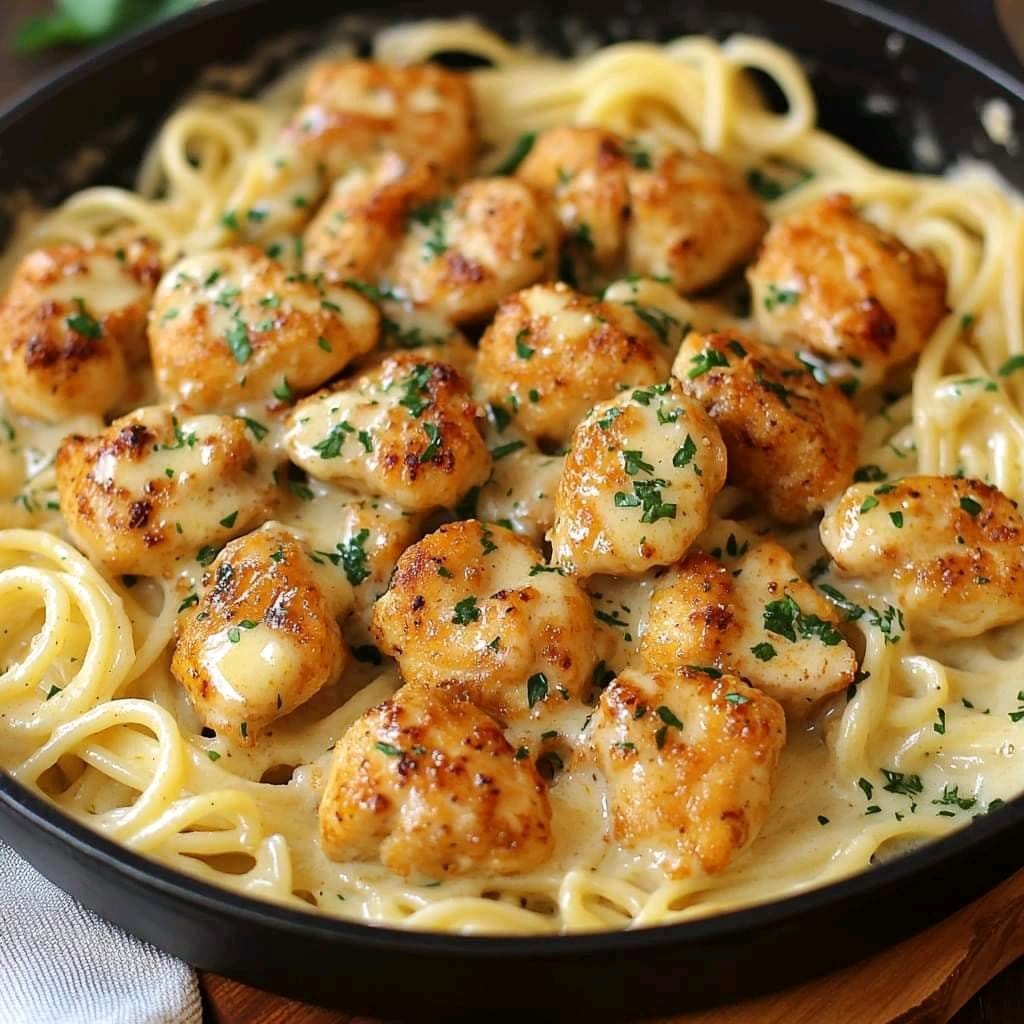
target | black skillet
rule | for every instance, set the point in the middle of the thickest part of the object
(113, 101)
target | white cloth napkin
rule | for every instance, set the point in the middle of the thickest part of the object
(61, 964)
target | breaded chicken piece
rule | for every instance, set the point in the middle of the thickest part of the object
(688, 217)
(151, 493)
(639, 480)
(586, 169)
(521, 491)
(693, 219)
(690, 761)
(551, 353)
(793, 442)
(760, 621)
(478, 605)
(359, 536)
(428, 784)
(828, 280)
(354, 110)
(264, 635)
(358, 229)
(952, 550)
(232, 326)
(73, 328)
(462, 254)
(406, 430)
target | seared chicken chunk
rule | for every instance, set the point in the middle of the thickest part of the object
(952, 549)
(685, 216)
(358, 229)
(360, 537)
(551, 353)
(693, 220)
(73, 328)
(406, 430)
(690, 761)
(427, 783)
(264, 636)
(233, 326)
(586, 169)
(792, 441)
(831, 281)
(461, 255)
(151, 492)
(639, 480)
(763, 623)
(476, 604)
(355, 109)
(521, 491)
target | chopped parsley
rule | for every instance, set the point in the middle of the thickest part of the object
(82, 323)
(330, 447)
(763, 651)
(517, 154)
(523, 350)
(237, 338)
(684, 456)
(704, 361)
(970, 506)
(433, 449)
(780, 297)
(536, 688)
(465, 611)
(415, 396)
(786, 619)
(506, 449)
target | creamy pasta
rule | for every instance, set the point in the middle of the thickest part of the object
(920, 735)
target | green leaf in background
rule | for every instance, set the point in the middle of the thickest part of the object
(84, 21)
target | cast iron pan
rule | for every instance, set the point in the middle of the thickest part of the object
(114, 100)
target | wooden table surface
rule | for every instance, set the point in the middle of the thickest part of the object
(1001, 1001)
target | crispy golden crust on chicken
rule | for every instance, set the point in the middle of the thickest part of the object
(476, 604)
(952, 549)
(264, 635)
(428, 783)
(829, 280)
(792, 441)
(73, 328)
(406, 430)
(551, 353)
(234, 326)
(690, 761)
(151, 491)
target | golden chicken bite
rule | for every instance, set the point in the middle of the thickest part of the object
(428, 784)
(73, 328)
(359, 537)
(151, 492)
(585, 169)
(951, 549)
(406, 430)
(792, 441)
(760, 621)
(232, 326)
(690, 762)
(638, 483)
(831, 281)
(521, 491)
(477, 605)
(357, 230)
(551, 353)
(461, 255)
(693, 219)
(264, 635)
(355, 109)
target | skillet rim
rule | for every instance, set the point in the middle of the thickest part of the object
(979, 836)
